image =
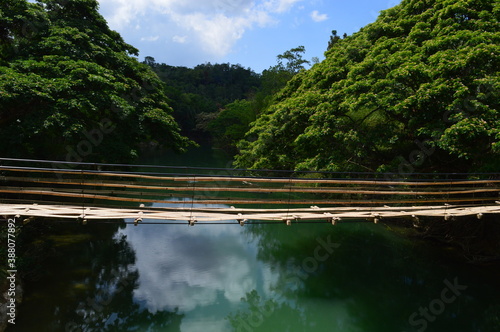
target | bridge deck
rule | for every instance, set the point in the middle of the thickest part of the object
(243, 215)
(111, 191)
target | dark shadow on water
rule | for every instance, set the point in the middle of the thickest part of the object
(86, 284)
(361, 277)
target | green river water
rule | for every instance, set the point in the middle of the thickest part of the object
(352, 277)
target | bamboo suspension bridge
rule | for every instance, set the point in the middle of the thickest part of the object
(194, 195)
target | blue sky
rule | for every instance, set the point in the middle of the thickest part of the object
(247, 32)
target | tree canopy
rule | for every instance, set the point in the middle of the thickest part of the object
(66, 78)
(217, 102)
(229, 124)
(204, 89)
(417, 89)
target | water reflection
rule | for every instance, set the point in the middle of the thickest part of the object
(88, 284)
(290, 278)
(354, 277)
(201, 270)
(181, 278)
(372, 281)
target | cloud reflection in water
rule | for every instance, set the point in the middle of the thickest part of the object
(204, 270)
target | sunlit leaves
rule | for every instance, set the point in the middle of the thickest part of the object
(72, 73)
(426, 69)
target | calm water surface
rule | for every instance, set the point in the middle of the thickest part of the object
(350, 277)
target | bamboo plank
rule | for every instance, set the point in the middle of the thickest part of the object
(277, 190)
(249, 201)
(71, 212)
(252, 179)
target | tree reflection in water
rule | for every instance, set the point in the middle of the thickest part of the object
(110, 306)
(373, 281)
(92, 285)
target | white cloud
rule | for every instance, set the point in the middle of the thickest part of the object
(280, 6)
(216, 34)
(121, 12)
(317, 17)
(179, 39)
(191, 267)
(214, 26)
(150, 38)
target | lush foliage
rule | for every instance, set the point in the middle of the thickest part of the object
(217, 102)
(416, 90)
(229, 125)
(195, 93)
(69, 86)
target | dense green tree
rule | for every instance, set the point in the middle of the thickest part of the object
(232, 121)
(224, 92)
(334, 38)
(206, 88)
(417, 89)
(70, 87)
(294, 61)
(230, 124)
(276, 77)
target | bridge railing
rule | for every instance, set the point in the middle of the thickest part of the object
(120, 185)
